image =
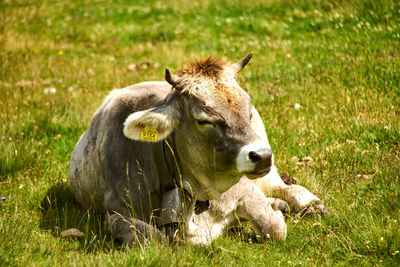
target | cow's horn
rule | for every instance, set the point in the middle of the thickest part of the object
(243, 62)
(171, 79)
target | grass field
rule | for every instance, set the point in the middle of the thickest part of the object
(325, 76)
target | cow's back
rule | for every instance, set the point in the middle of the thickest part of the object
(110, 172)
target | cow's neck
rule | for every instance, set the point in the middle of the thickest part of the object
(173, 164)
(178, 205)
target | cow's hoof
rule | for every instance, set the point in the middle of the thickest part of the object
(279, 204)
(320, 209)
(283, 206)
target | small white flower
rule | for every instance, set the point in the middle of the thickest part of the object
(297, 106)
(71, 88)
(50, 90)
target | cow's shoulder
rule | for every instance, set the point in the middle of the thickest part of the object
(119, 155)
(120, 103)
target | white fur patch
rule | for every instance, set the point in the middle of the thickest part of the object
(258, 126)
(273, 178)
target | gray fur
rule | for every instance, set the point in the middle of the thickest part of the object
(110, 172)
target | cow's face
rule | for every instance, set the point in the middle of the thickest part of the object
(218, 135)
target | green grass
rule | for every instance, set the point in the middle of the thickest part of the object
(339, 60)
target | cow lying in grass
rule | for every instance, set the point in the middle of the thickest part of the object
(198, 132)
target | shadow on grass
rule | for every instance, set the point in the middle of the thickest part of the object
(60, 211)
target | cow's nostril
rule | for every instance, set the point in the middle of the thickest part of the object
(261, 157)
(255, 160)
(254, 156)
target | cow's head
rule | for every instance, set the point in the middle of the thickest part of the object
(217, 132)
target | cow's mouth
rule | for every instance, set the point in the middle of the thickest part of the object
(258, 173)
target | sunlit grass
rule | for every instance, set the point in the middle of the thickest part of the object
(324, 77)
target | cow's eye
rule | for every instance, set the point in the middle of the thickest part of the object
(204, 122)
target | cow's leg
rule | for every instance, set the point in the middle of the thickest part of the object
(131, 231)
(267, 222)
(203, 228)
(298, 197)
(242, 201)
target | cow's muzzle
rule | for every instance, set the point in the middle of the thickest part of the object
(262, 160)
(255, 160)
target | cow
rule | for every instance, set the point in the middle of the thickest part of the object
(155, 151)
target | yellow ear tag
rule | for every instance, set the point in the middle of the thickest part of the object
(149, 135)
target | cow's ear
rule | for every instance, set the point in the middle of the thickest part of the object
(151, 125)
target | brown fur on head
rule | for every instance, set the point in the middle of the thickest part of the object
(212, 71)
(228, 96)
(209, 68)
